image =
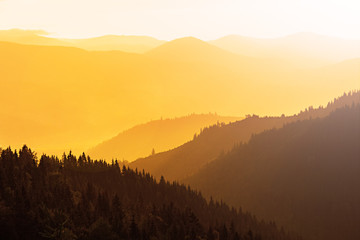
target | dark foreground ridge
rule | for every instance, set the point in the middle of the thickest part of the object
(79, 198)
(304, 176)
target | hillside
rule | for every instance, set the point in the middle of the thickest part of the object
(188, 158)
(79, 198)
(305, 176)
(158, 135)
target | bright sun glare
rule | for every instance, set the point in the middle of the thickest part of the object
(167, 20)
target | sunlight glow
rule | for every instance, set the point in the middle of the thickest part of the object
(172, 19)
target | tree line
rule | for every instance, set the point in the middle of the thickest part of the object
(81, 198)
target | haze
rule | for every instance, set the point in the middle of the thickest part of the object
(140, 120)
(204, 19)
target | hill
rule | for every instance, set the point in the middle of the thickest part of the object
(187, 159)
(158, 135)
(301, 49)
(305, 176)
(79, 198)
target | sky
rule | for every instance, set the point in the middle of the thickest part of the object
(170, 19)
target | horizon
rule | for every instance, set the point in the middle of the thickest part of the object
(44, 33)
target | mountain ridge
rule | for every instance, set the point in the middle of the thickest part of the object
(158, 135)
(187, 159)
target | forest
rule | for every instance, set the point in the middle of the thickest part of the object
(304, 176)
(80, 198)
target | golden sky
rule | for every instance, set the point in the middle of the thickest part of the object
(169, 19)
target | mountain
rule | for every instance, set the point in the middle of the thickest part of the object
(59, 98)
(305, 176)
(194, 50)
(185, 160)
(198, 52)
(301, 49)
(81, 198)
(158, 135)
(133, 44)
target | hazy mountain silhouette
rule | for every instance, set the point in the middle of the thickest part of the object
(305, 176)
(158, 135)
(106, 92)
(134, 44)
(188, 158)
(301, 49)
(190, 49)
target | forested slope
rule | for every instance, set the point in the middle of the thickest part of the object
(188, 158)
(141, 140)
(305, 176)
(78, 198)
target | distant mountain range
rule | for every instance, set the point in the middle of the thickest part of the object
(302, 50)
(157, 136)
(106, 92)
